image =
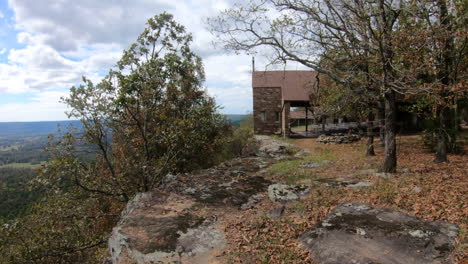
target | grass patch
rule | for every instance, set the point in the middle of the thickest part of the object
(291, 172)
(298, 207)
(385, 191)
(462, 247)
(285, 166)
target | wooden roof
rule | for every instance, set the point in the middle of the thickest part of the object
(295, 85)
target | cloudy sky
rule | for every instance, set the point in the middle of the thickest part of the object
(47, 45)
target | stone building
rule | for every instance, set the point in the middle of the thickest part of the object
(275, 92)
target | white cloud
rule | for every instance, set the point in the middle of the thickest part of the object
(39, 67)
(64, 40)
(235, 100)
(45, 106)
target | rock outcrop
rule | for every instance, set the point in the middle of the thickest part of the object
(178, 222)
(356, 233)
(338, 138)
(286, 193)
(344, 182)
(272, 147)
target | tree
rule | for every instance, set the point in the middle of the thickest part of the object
(448, 58)
(148, 118)
(307, 31)
(441, 27)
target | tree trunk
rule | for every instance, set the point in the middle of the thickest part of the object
(441, 149)
(370, 134)
(390, 158)
(445, 75)
(381, 117)
(386, 49)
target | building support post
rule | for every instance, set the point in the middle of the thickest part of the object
(285, 119)
(307, 120)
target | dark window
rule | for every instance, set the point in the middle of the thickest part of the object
(278, 116)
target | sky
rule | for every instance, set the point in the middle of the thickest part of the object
(46, 46)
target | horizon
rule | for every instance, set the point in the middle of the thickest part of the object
(70, 120)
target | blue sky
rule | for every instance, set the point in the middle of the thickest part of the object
(47, 45)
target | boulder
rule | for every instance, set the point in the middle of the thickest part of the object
(344, 182)
(157, 228)
(271, 147)
(173, 224)
(312, 165)
(286, 193)
(338, 138)
(356, 233)
(252, 201)
(384, 175)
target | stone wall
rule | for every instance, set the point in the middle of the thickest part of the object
(267, 110)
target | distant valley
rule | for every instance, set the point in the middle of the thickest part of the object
(44, 128)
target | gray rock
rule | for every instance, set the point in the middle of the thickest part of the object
(165, 225)
(344, 182)
(384, 175)
(277, 212)
(405, 170)
(271, 147)
(302, 153)
(356, 233)
(253, 200)
(416, 189)
(157, 228)
(312, 165)
(199, 240)
(361, 184)
(338, 138)
(168, 178)
(286, 193)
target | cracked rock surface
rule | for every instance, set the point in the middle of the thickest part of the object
(178, 222)
(286, 193)
(359, 234)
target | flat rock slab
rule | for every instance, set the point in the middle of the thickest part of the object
(269, 146)
(313, 165)
(338, 138)
(173, 225)
(286, 193)
(358, 234)
(344, 182)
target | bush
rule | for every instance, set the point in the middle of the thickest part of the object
(241, 141)
(429, 138)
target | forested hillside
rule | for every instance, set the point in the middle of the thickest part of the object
(34, 129)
